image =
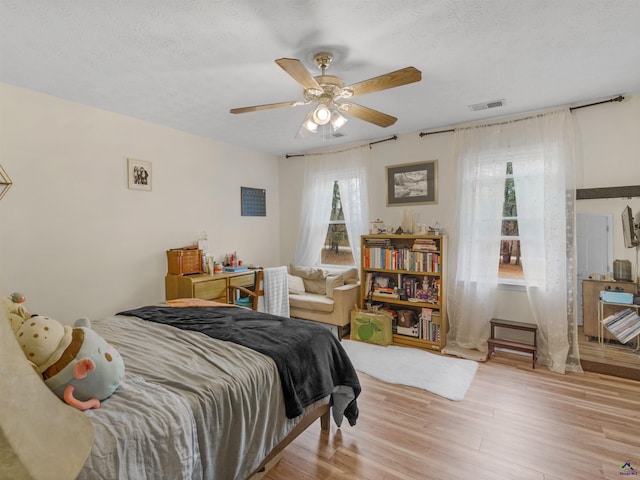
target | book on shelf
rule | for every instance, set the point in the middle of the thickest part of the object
(396, 258)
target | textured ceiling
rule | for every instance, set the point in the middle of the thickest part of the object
(185, 63)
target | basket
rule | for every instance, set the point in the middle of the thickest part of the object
(184, 261)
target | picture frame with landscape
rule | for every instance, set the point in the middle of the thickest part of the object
(412, 183)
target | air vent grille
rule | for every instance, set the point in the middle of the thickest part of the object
(487, 105)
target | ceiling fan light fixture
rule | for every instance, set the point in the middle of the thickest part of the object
(308, 124)
(322, 115)
(337, 120)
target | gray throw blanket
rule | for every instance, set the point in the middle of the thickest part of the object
(310, 359)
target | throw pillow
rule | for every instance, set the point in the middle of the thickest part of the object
(350, 276)
(333, 281)
(296, 285)
(313, 278)
(308, 273)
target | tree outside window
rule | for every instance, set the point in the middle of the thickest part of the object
(337, 249)
(510, 263)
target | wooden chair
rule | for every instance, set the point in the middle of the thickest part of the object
(247, 297)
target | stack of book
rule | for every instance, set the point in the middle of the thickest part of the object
(624, 325)
(430, 322)
(425, 245)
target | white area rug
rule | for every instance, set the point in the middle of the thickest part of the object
(448, 377)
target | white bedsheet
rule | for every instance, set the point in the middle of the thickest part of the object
(190, 406)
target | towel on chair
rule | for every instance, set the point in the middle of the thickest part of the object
(276, 292)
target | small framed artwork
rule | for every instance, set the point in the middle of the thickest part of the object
(412, 183)
(253, 202)
(139, 174)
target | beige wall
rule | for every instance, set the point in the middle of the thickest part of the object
(609, 157)
(77, 242)
(608, 143)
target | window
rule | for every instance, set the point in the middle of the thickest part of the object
(337, 249)
(510, 264)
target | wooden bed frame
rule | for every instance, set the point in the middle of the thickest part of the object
(322, 412)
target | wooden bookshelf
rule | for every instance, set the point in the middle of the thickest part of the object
(406, 273)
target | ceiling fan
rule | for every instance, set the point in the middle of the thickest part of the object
(332, 97)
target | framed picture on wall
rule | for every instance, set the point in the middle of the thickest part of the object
(412, 183)
(253, 202)
(139, 174)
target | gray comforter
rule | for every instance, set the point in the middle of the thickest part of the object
(190, 407)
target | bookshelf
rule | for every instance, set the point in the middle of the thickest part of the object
(404, 275)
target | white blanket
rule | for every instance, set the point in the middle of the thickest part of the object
(276, 292)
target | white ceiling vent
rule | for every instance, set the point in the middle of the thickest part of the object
(487, 105)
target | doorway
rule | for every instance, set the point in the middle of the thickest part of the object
(594, 245)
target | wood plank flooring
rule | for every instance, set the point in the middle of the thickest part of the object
(612, 359)
(514, 423)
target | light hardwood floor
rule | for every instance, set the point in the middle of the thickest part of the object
(514, 423)
(612, 358)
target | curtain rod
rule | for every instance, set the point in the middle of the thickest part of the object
(394, 137)
(619, 98)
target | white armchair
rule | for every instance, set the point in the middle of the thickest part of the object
(326, 295)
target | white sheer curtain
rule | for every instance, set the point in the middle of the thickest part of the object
(350, 169)
(541, 150)
(543, 175)
(475, 241)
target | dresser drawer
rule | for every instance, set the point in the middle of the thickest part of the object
(215, 289)
(242, 280)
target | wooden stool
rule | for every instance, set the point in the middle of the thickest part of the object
(521, 347)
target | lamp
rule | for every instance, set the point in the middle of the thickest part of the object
(321, 116)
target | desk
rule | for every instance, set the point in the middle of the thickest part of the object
(206, 287)
(601, 305)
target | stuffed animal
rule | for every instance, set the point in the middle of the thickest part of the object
(77, 364)
(15, 310)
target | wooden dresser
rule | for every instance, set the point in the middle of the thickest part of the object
(591, 295)
(206, 287)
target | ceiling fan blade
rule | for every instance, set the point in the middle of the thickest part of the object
(398, 78)
(255, 108)
(368, 114)
(298, 72)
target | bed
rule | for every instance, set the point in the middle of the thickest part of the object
(214, 391)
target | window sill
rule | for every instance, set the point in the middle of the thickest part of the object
(511, 284)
